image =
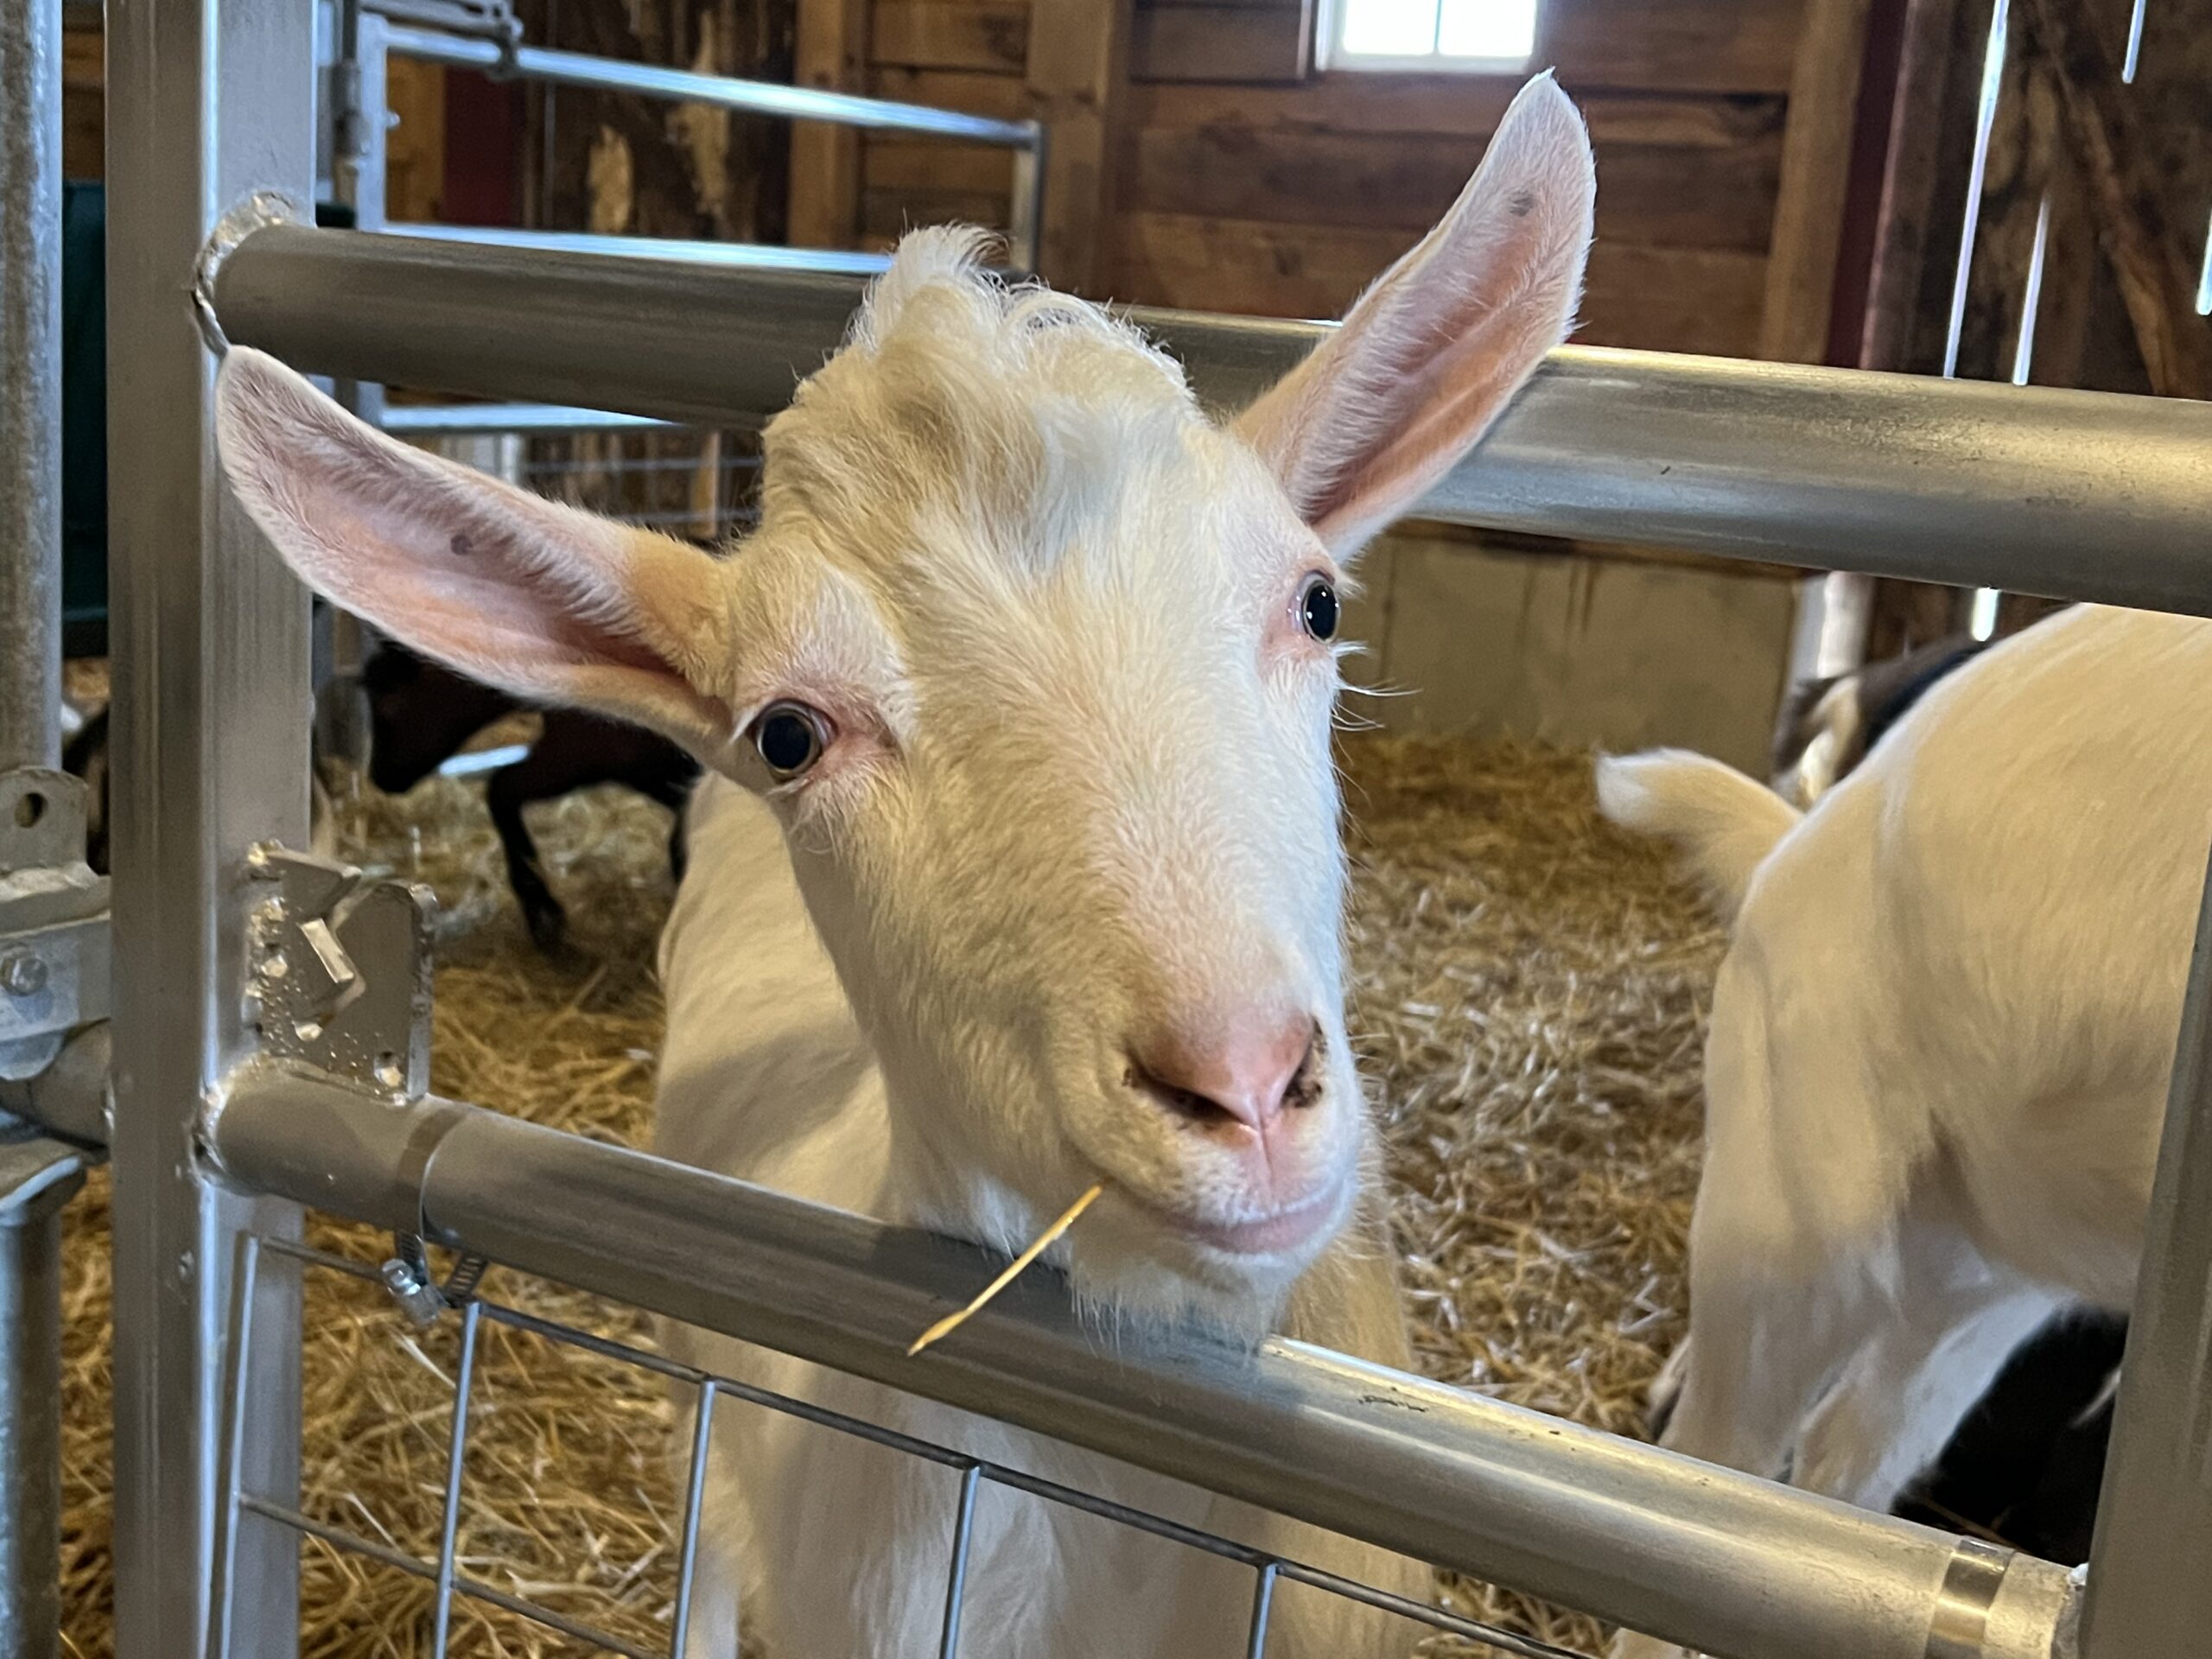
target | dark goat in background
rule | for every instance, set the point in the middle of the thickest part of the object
(1828, 725)
(421, 714)
(2027, 1463)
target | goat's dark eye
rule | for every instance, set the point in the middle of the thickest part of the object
(1317, 608)
(790, 737)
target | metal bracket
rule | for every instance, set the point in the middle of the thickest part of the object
(339, 974)
(54, 931)
(489, 20)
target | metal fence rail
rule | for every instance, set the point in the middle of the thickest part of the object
(1720, 1560)
(2074, 495)
(716, 91)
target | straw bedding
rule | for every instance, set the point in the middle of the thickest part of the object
(1530, 992)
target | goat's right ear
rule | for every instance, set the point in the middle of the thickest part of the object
(545, 601)
(1428, 357)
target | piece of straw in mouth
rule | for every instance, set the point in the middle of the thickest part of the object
(951, 1322)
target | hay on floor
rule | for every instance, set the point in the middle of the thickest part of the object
(1529, 1001)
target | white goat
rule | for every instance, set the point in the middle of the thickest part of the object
(1939, 1046)
(1029, 670)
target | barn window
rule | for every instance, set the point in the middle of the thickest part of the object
(1477, 35)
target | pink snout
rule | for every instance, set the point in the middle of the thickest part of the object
(1243, 1081)
(1244, 1071)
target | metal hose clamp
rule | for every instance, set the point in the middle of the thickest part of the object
(407, 1275)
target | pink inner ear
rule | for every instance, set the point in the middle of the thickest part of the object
(1436, 348)
(549, 602)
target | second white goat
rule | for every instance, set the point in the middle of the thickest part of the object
(1941, 1042)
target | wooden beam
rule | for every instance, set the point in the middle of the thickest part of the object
(830, 52)
(1928, 143)
(2118, 161)
(1816, 147)
(1211, 43)
(1077, 75)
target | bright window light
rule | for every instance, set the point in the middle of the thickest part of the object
(1427, 35)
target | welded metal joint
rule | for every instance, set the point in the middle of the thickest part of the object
(258, 211)
(338, 973)
(53, 924)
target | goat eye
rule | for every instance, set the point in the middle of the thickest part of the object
(790, 737)
(1317, 607)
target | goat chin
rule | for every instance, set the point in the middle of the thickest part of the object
(842, 1542)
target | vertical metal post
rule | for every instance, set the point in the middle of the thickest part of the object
(36, 1176)
(37, 1179)
(210, 649)
(2149, 1591)
(30, 383)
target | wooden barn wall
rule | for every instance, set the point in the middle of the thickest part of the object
(1236, 185)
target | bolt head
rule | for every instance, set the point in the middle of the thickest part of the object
(21, 973)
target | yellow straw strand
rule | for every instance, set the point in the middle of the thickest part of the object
(952, 1322)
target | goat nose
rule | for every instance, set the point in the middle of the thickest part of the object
(1241, 1069)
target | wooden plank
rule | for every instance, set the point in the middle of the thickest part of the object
(1662, 299)
(886, 215)
(2172, 76)
(414, 148)
(830, 50)
(1815, 175)
(1688, 197)
(1699, 300)
(971, 91)
(2121, 163)
(84, 105)
(895, 163)
(1464, 106)
(1077, 71)
(1712, 46)
(1245, 266)
(1924, 138)
(991, 34)
(1221, 43)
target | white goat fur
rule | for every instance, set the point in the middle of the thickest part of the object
(1079, 791)
(1939, 1046)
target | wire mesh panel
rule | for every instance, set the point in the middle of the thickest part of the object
(431, 1559)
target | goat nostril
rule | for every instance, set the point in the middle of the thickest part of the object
(1184, 1102)
(1305, 1086)
(1248, 1075)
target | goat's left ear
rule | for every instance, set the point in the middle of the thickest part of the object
(1431, 353)
(543, 601)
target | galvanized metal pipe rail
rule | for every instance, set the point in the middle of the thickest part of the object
(36, 1174)
(1734, 1567)
(30, 383)
(2071, 495)
(716, 91)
